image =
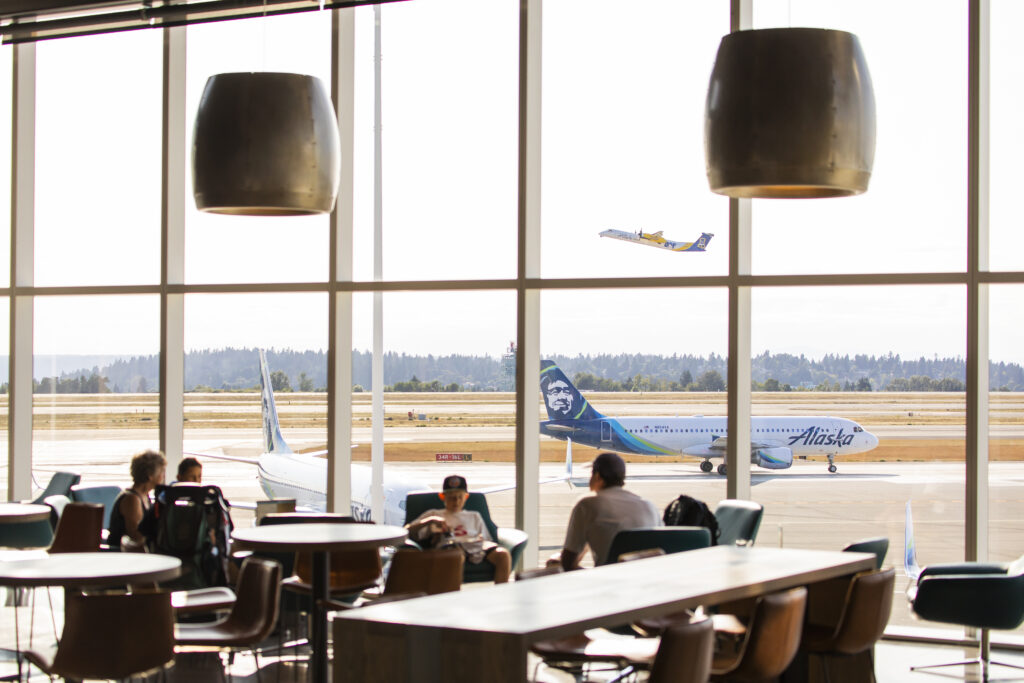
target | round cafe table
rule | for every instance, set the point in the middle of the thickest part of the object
(17, 513)
(320, 540)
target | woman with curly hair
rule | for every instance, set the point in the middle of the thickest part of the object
(147, 470)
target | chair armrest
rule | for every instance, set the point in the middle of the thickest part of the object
(992, 601)
(513, 540)
(962, 568)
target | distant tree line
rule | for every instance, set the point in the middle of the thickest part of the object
(233, 369)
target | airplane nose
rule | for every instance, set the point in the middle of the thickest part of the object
(872, 440)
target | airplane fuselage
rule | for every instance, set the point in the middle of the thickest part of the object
(696, 435)
(302, 477)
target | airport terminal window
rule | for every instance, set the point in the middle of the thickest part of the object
(5, 310)
(1005, 448)
(623, 138)
(1006, 244)
(221, 249)
(449, 97)
(449, 392)
(6, 64)
(97, 193)
(96, 399)
(877, 379)
(679, 371)
(881, 231)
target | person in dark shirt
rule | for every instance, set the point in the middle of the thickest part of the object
(147, 470)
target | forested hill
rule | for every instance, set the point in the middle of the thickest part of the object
(235, 369)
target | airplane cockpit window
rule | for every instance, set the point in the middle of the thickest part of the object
(858, 429)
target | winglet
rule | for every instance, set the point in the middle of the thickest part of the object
(273, 442)
(910, 565)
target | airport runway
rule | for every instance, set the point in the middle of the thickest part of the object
(805, 507)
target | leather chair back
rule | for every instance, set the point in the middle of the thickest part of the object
(79, 529)
(684, 655)
(671, 539)
(773, 636)
(738, 520)
(112, 636)
(254, 614)
(425, 571)
(865, 613)
(879, 546)
(351, 570)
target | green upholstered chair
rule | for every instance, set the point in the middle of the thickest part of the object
(738, 520)
(671, 539)
(878, 546)
(104, 495)
(59, 485)
(979, 594)
(512, 539)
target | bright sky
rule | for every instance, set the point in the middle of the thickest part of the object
(623, 147)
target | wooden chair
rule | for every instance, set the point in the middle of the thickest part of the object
(79, 529)
(102, 637)
(771, 640)
(425, 571)
(252, 618)
(864, 615)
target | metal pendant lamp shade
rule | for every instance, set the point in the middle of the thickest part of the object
(790, 113)
(265, 144)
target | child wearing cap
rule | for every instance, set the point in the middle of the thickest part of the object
(464, 528)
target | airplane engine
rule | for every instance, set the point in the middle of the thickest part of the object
(772, 458)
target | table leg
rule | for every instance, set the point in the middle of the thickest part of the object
(318, 639)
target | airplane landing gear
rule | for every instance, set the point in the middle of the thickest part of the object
(832, 464)
(706, 466)
(722, 469)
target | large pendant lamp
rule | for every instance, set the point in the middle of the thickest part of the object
(790, 113)
(265, 144)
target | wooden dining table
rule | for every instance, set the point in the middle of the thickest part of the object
(321, 540)
(486, 634)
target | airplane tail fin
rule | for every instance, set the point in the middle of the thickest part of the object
(910, 565)
(703, 240)
(563, 400)
(273, 442)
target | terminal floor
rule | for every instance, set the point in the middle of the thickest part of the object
(893, 659)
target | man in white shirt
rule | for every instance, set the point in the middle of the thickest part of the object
(596, 519)
(465, 528)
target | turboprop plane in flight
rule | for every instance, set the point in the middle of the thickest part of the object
(657, 239)
(774, 441)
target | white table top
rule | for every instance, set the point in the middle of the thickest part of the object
(89, 569)
(561, 604)
(23, 512)
(291, 537)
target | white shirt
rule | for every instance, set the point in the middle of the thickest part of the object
(467, 525)
(596, 519)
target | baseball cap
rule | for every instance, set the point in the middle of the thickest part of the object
(455, 483)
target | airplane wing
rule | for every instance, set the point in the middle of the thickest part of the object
(232, 458)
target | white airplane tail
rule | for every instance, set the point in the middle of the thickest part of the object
(273, 442)
(910, 565)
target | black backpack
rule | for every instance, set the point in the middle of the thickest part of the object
(687, 511)
(192, 522)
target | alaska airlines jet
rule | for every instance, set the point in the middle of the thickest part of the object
(657, 239)
(774, 441)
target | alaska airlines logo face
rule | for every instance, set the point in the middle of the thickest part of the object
(361, 513)
(814, 436)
